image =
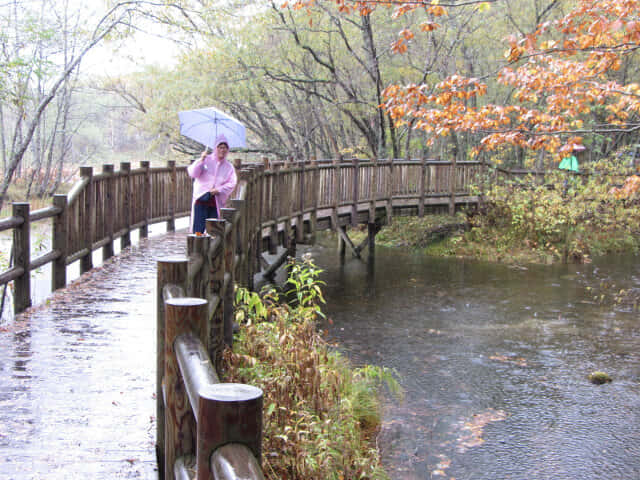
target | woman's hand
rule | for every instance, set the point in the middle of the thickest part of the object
(214, 191)
(203, 155)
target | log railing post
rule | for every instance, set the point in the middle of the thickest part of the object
(22, 257)
(173, 195)
(89, 207)
(216, 228)
(452, 185)
(109, 211)
(301, 207)
(315, 189)
(198, 253)
(182, 315)
(146, 199)
(228, 413)
(355, 188)
(275, 199)
(230, 242)
(125, 182)
(258, 177)
(390, 193)
(336, 194)
(59, 243)
(373, 190)
(423, 172)
(241, 242)
(171, 271)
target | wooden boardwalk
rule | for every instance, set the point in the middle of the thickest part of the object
(77, 375)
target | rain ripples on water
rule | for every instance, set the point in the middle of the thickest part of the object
(494, 361)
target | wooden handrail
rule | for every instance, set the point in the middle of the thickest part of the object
(284, 204)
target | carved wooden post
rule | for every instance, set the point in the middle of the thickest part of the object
(146, 199)
(59, 243)
(215, 228)
(228, 413)
(22, 257)
(183, 315)
(125, 183)
(198, 253)
(355, 187)
(109, 211)
(173, 195)
(171, 271)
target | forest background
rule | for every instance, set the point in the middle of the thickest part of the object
(517, 83)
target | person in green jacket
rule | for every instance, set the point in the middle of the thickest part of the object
(569, 163)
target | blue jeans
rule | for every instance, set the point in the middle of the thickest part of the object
(200, 214)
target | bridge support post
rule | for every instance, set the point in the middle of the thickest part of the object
(372, 231)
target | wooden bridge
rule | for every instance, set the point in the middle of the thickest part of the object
(275, 207)
(282, 204)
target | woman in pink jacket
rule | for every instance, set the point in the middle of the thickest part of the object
(214, 180)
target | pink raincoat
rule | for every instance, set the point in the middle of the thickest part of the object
(212, 173)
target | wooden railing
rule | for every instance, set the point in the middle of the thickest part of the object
(97, 210)
(204, 426)
(286, 199)
(275, 205)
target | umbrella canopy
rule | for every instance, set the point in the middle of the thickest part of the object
(205, 124)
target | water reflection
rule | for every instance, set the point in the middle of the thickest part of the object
(495, 362)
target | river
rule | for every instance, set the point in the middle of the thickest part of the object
(494, 360)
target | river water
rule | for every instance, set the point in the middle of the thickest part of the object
(494, 361)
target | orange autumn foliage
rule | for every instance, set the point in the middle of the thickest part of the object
(559, 73)
(629, 188)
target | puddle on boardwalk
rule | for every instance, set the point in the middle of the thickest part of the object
(77, 375)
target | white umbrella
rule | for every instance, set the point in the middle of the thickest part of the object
(205, 124)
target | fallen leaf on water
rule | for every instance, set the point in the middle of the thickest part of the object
(521, 362)
(472, 430)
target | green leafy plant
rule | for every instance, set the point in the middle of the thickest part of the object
(320, 414)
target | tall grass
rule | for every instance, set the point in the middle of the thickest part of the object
(321, 415)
